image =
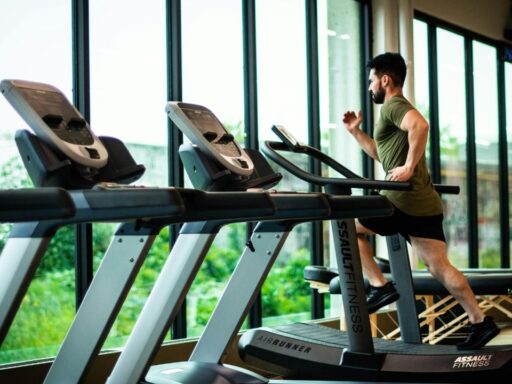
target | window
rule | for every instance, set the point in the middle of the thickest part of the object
(508, 107)
(487, 153)
(27, 40)
(452, 134)
(340, 70)
(421, 72)
(281, 63)
(213, 77)
(128, 96)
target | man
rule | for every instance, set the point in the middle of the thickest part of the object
(399, 143)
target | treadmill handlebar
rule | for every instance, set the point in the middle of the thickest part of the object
(447, 189)
(352, 180)
(22, 205)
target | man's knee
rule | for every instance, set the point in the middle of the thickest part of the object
(362, 230)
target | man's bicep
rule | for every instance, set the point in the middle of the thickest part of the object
(411, 119)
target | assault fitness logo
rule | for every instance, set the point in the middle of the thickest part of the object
(473, 361)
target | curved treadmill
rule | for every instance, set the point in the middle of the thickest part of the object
(314, 352)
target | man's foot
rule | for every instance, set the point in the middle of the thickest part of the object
(379, 297)
(480, 334)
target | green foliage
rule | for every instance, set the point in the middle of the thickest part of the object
(490, 258)
(14, 175)
(285, 290)
(43, 319)
(237, 130)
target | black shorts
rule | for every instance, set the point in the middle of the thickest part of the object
(430, 227)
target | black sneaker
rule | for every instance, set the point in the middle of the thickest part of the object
(480, 334)
(378, 297)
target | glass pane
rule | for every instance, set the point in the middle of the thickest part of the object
(421, 73)
(508, 106)
(213, 77)
(452, 133)
(282, 100)
(49, 305)
(340, 69)
(128, 96)
(421, 69)
(487, 154)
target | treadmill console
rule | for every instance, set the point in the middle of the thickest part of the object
(53, 118)
(285, 136)
(203, 129)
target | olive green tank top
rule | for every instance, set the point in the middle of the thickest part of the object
(392, 148)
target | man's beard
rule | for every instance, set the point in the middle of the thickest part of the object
(378, 97)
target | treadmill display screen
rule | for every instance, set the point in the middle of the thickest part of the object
(210, 127)
(58, 114)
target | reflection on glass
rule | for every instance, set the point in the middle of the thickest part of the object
(487, 154)
(508, 109)
(27, 40)
(128, 96)
(281, 47)
(340, 69)
(452, 134)
(213, 77)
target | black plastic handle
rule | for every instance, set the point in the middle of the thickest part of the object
(352, 180)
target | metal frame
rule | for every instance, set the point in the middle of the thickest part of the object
(162, 305)
(175, 137)
(251, 113)
(435, 146)
(95, 317)
(81, 99)
(313, 95)
(503, 164)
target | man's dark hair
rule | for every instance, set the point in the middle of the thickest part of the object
(391, 64)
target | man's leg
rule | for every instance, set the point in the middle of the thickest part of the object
(381, 292)
(370, 268)
(433, 253)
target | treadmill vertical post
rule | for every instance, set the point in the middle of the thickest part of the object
(402, 275)
(163, 303)
(352, 286)
(102, 303)
(243, 286)
(18, 261)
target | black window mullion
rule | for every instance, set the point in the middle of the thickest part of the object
(435, 146)
(472, 204)
(81, 99)
(503, 165)
(175, 137)
(250, 73)
(316, 245)
(255, 314)
(365, 31)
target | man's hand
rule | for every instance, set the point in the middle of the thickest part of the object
(351, 121)
(403, 173)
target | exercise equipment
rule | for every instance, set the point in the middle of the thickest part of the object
(29, 204)
(209, 143)
(492, 287)
(330, 354)
(143, 211)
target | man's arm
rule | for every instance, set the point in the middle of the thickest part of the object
(352, 123)
(417, 135)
